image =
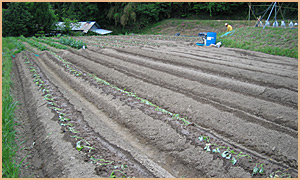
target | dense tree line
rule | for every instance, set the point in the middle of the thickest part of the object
(30, 18)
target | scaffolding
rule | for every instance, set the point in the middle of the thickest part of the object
(277, 8)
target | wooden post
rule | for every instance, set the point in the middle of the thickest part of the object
(249, 11)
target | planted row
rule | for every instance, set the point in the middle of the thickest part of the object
(72, 42)
(230, 154)
(48, 96)
(50, 43)
(81, 143)
(49, 39)
(34, 44)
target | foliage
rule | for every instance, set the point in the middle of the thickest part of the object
(50, 43)
(34, 44)
(43, 15)
(27, 18)
(72, 42)
(82, 11)
(17, 20)
(30, 17)
(68, 25)
(215, 8)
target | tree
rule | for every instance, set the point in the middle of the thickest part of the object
(17, 20)
(43, 16)
(68, 25)
(28, 18)
(215, 8)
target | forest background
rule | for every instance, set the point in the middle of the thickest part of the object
(30, 18)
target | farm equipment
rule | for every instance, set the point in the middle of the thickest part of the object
(202, 36)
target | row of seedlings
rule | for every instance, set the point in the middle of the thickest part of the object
(34, 44)
(50, 43)
(81, 143)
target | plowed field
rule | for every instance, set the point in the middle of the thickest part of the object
(157, 106)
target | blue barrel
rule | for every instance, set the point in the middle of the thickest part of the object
(211, 38)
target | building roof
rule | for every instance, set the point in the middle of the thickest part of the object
(101, 31)
(85, 27)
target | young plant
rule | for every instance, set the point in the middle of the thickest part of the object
(257, 170)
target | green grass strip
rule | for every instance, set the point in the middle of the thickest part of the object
(275, 41)
(10, 168)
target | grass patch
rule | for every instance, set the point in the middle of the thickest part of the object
(276, 41)
(10, 169)
(176, 24)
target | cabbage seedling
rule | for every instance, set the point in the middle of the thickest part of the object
(207, 147)
(78, 146)
(105, 162)
(261, 170)
(255, 170)
(233, 161)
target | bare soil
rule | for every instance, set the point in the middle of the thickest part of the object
(244, 101)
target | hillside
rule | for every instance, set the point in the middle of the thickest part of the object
(277, 41)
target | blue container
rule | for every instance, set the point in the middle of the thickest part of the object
(211, 38)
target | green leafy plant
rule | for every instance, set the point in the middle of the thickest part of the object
(72, 42)
(279, 174)
(34, 44)
(50, 43)
(79, 146)
(101, 162)
(204, 138)
(258, 169)
(113, 175)
(207, 147)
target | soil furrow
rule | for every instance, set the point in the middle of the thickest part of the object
(214, 95)
(143, 125)
(156, 106)
(51, 155)
(239, 62)
(212, 52)
(262, 79)
(107, 150)
(281, 96)
(237, 55)
(202, 114)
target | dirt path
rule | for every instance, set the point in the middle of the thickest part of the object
(244, 101)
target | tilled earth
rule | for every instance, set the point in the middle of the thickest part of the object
(156, 106)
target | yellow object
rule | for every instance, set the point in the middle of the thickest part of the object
(229, 28)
